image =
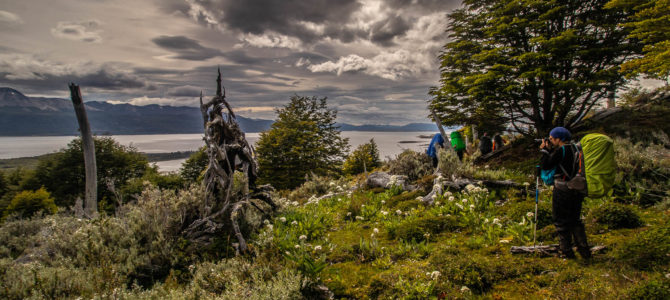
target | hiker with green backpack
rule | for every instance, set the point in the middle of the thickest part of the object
(457, 143)
(559, 156)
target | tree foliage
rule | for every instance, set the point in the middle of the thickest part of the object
(651, 25)
(530, 62)
(63, 174)
(191, 170)
(27, 203)
(304, 139)
(365, 157)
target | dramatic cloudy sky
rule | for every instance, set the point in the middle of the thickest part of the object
(373, 59)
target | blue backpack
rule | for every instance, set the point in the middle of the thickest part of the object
(548, 175)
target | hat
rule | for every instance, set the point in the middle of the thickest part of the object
(560, 133)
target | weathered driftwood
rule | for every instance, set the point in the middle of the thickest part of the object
(447, 142)
(458, 184)
(228, 151)
(492, 154)
(546, 249)
(88, 147)
(386, 180)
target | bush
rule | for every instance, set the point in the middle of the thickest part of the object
(643, 172)
(656, 288)
(616, 215)
(420, 229)
(192, 169)
(304, 139)
(448, 163)
(27, 203)
(412, 164)
(63, 173)
(365, 157)
(649, 249)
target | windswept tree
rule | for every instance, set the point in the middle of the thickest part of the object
(303, 140)
(651, 25)
(530, 62)
(365, 157)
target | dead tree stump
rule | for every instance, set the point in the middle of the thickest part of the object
(228, 151)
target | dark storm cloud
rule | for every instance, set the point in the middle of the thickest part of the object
(424, 5)
(185, 48)
(184, 91)
(384, 31)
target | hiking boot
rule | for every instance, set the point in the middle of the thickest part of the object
(580, 239)
(565, 244)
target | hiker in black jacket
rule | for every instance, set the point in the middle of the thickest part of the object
(566, 203)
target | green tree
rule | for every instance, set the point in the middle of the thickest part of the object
(365, 157)
(304, 139)
(27, 203)
(192, 168)
(651, 25)
(535, 62)
(63, 173)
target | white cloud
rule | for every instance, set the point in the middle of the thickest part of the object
(85, 31)
(145, 100)
(269, 40)
(10, 18)
(392, 65)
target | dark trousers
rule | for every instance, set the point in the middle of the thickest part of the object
(566, 211)
(460, 154)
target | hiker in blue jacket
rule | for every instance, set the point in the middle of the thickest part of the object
(566, 203)
(432, 150)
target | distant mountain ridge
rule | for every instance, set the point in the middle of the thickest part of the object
(38, 116)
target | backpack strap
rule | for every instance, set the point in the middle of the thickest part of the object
(576, 163)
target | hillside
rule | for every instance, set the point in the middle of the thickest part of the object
(36, 116)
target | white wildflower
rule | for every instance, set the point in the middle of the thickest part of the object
(465, 200)
(297, 246)
(317, 248)
(287, 253)
(504, 241)
(472, 206)
(398, 212)
(266, 222)
(526, 183)
(496, 221)
(426, 235)
(295, 203)
(465, 289)
(294, 222)
(362, 205)
(359, 218)
(270, 226)
(302, 237)
(530, 214)
(435, 274)
(419, 198)
(433, 196)
(486, 220)
(375, 230)
(383, 202)
(384, 213)
(372, 235)
(349, 214)
(438, 203)
(282, 219)
(437, 187)
(451, 198)
(459, 206)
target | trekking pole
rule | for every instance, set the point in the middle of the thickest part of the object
(537, 197)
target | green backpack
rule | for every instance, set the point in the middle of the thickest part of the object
(594, 161)
(457, 141)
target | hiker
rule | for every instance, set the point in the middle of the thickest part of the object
(485, 144)
(437, 141)
(498, 142)
(458, 143)
(558, 154)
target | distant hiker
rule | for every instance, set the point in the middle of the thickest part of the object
(437, 141)
(498, 142)
(485, 144)
(558, 154)
(458, 143)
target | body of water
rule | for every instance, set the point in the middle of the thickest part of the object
(390, 144)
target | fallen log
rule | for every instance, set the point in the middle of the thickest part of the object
(550, 250)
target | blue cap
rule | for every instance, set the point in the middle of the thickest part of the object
(561, 134)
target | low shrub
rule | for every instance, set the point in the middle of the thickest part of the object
(649, 249)
(420, 229)
(27, 203)
(412, 164)
(615, 215)
(653, 289)
(516, 211)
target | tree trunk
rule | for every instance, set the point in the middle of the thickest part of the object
(88, 147)
(447, 142)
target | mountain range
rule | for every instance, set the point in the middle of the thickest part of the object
(21, 115)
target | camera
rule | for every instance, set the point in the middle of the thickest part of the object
(540, 140)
